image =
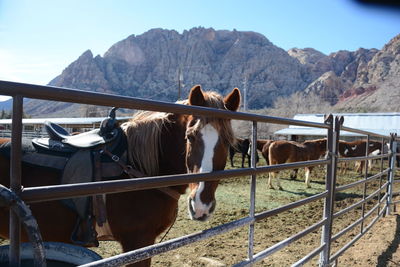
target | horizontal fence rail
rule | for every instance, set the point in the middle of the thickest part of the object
(333, 125)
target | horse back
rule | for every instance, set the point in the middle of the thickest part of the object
(282, 151)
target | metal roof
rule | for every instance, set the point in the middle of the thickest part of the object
(380, 123)
(83, 121)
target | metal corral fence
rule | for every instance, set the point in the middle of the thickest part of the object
(333, 126)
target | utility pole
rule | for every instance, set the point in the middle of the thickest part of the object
(180, 83)
(245, 93)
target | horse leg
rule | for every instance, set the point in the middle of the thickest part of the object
(360, 166)
(243, 158)
(271, 176)
(231, 158)
(137, 240)
(344, 167)
(293, 174)
(308, 172)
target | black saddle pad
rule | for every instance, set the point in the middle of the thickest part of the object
(35, 156)
(27, 146)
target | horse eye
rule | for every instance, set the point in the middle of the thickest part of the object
(190, 138)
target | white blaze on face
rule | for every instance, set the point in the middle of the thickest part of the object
(210, 139)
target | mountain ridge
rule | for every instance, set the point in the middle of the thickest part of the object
(149, 65)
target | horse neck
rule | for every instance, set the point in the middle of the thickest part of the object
(173, 146)
(173, 149)
(261, 143)
(316, 147)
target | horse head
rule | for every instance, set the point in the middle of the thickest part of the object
(207, 143)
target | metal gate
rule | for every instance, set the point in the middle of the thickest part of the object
(332, 125)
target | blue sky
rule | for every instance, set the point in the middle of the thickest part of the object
(40, 38)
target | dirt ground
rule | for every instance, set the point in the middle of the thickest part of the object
(379, 247)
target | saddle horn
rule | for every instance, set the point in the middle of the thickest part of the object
(108, 124)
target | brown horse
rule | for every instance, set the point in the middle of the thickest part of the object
(289, 151)
(357, 148)
(158, 144)
(263, 147)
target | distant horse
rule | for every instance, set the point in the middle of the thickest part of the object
(242, 146)
(357, 148)
(263, 147)
(158, 144)
(289, 151)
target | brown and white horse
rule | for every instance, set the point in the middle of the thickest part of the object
(357, 148)
(158, 144)
(282, 151)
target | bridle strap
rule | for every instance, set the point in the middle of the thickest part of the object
(133, 173)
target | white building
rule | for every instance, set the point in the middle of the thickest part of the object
(380, 123)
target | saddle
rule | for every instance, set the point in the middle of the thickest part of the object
(91, 156)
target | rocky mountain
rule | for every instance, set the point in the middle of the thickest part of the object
(377, 86)
(149, 66)
(333, 74)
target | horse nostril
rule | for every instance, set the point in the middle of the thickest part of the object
(213, 205)
(203, 218)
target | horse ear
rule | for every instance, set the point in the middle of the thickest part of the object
(196, 97)
(232, 101)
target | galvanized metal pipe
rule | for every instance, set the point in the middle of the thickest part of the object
(280, 245)
(55, 192)
(357, 204)
(94, 98)
(354, 224)
(365, 184)
(253, 180)
(15, 179)
(349, 244)
(330, 183)
(356, 183)
(308, 257)
(393, 147)
(150, 251)
(298, 203)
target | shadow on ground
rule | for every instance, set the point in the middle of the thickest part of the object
(386, 257)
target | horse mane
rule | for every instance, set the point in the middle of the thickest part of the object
(143, 133)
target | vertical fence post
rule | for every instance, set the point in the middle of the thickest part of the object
(392, 159)
(15, 179)
(250, 251)
(332, 148)
(365, 184)
(380, 176)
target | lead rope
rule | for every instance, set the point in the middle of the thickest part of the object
(170, 227)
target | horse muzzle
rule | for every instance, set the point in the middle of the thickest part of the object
(200, 211)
